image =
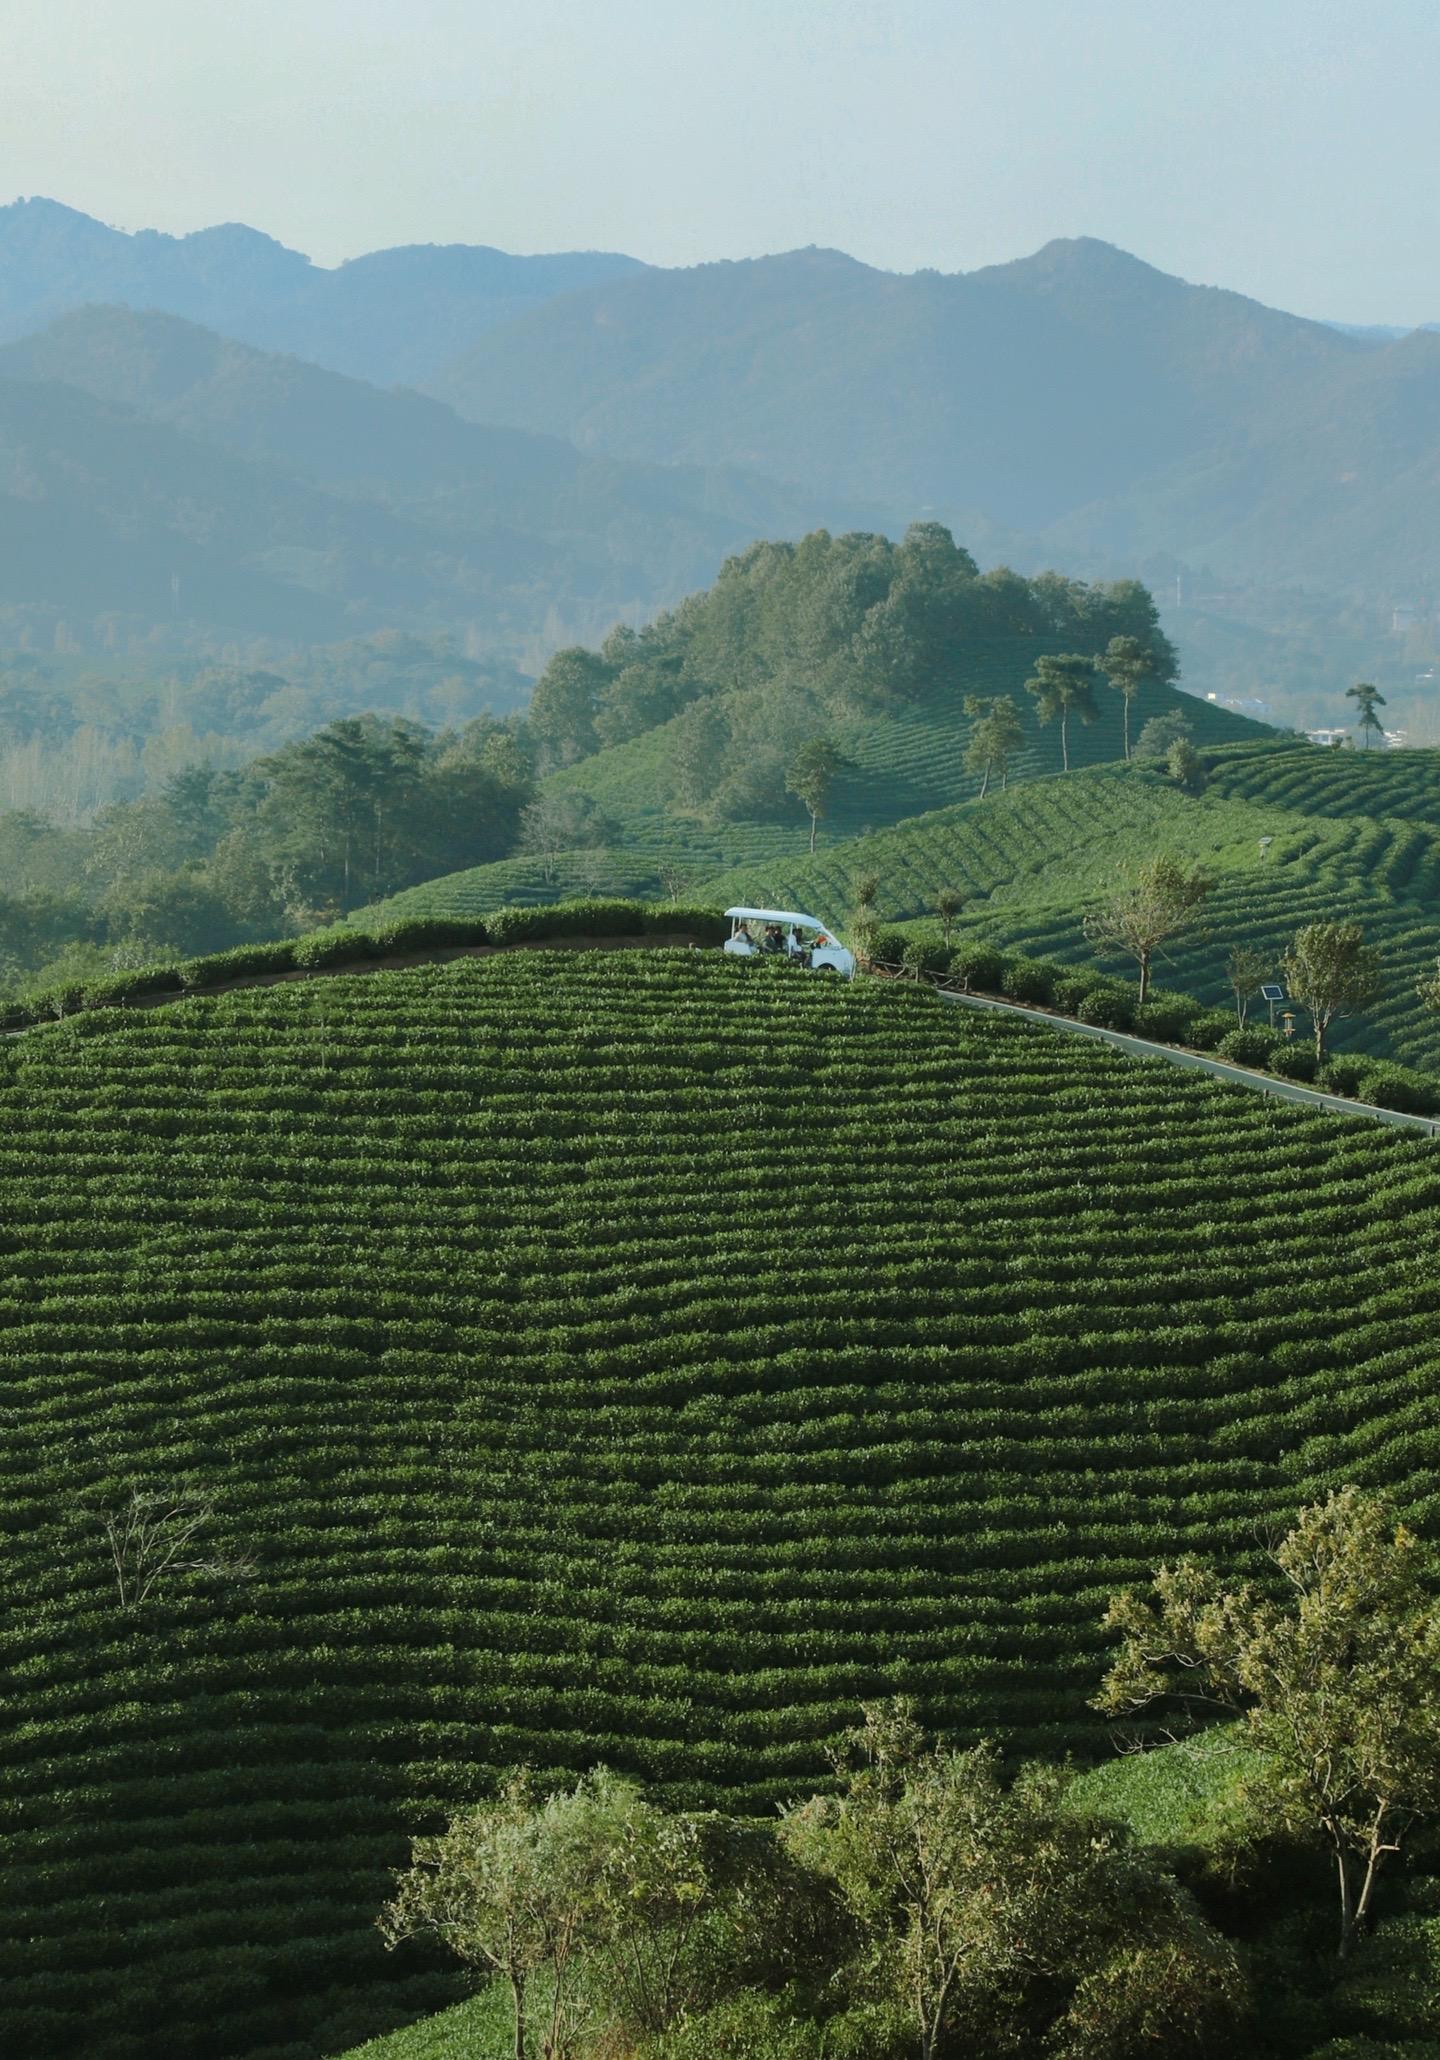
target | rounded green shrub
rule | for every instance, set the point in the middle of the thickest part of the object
(977, 967)
(1251, 1046)
(1110, 1004)
(1028, 980)
(1166, 1018)
(1206, 1031)
(1071, 990)
(1396, 1087)
(334, 947)
(1294, 1062)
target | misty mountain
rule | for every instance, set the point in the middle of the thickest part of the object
(322, 506)
(392, 316)
(1026, 390)
(1102, 413)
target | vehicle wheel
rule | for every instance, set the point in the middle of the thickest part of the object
(825, 969)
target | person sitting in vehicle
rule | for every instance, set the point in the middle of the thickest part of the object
(771, 940)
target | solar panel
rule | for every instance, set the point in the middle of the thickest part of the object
(1272, 993)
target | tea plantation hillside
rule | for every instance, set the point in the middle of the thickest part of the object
(1289, 773)
(1031, 861)
(638, 1359)
(908, 761)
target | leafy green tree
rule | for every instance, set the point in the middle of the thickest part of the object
(1003, 1915)
(1160, 734)
(1331, 971)
(1148, 908)
(513, 1887)
(1127, 664)
(812, 773)
(996, 737)
(1367, 699)
(1063, 687)
(558, 820)
(1185, 765)
(1246, 970)
(561, 716)
(1428, 989)
(1331, 1672)
(948, 904)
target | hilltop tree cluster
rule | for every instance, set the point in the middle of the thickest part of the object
(793, 638)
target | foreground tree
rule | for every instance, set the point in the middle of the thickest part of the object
(621, 1917)
(996, 737)
(1147, 910)
(811, 775)
(511, 1886)
(1004, 1912)
(1331, 971)
(1333, 1679)
(1063, 687)
(1246, 970)
(1367, 699)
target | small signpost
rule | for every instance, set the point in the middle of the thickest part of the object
(1271, 993)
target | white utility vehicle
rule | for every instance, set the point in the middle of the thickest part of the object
(772, 932)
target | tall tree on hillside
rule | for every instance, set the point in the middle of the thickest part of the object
(1147, 910)
(1063, 687)
(1331, 971)
(997, 735)
(1367, 699)
(562, 709)
(811, 776)
(1127, 664)
(1246, 970)
(1331, 1670)
(948, 904)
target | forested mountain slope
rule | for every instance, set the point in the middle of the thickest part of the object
(415, 520)
(1023, 390)
(393, 315)
(586, 1357)
(1080, 402)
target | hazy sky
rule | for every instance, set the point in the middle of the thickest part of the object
(1289, 148)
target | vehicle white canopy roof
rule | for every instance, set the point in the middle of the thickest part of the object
(776, 915)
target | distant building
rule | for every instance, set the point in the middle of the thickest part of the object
(1328, 737)
(1242, 704)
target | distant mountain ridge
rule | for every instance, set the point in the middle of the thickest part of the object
(1027, 390)
(391, 316)
(1074, 407)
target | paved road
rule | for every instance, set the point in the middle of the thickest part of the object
(1221, 1069)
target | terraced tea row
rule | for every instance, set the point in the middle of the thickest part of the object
(641, 1361)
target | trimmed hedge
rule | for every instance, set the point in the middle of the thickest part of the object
(320, 948)
(978, 966)
(1294, 1062)
(1252, 1046)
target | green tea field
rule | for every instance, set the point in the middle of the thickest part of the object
(632, 1359)
(901, 764)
